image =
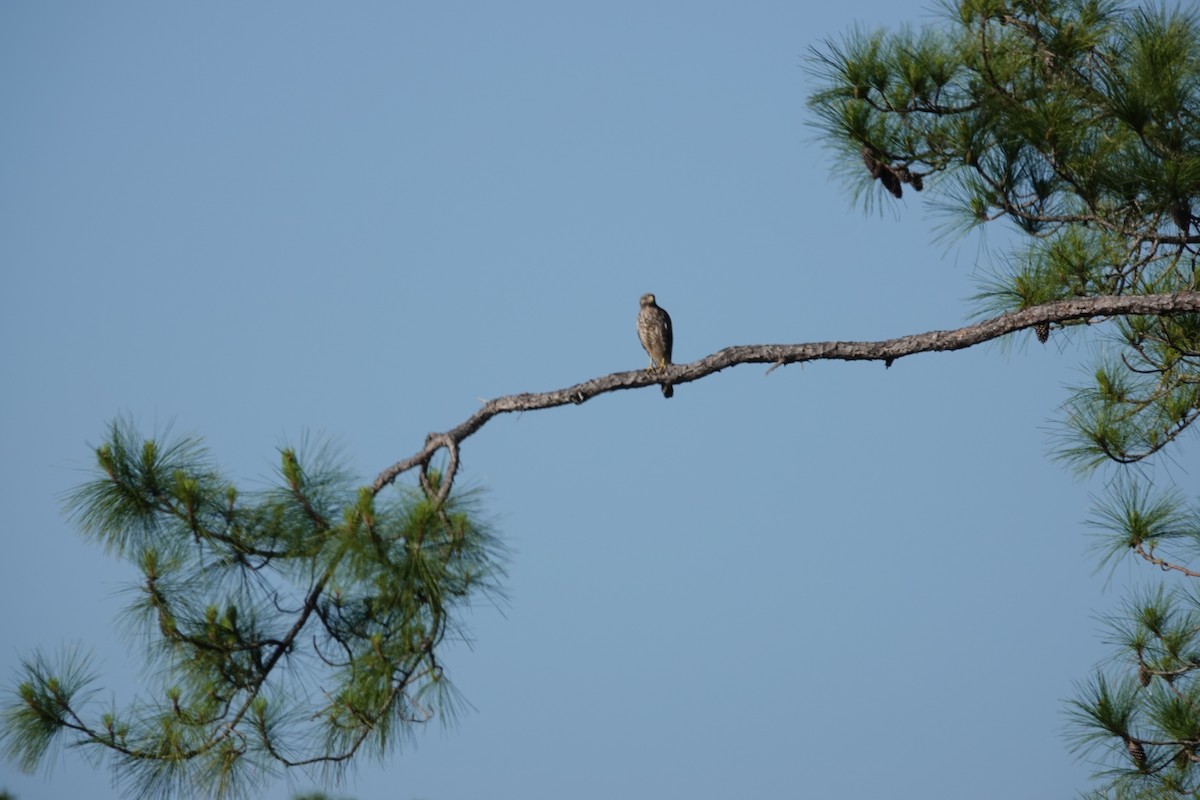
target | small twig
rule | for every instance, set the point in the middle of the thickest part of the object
(1163, 564)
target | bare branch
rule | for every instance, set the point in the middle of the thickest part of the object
(888, 351)
(1163, 564)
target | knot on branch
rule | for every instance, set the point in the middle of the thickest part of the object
(437, 486)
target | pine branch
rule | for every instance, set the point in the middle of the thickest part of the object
(887, 351)
(1163, 564)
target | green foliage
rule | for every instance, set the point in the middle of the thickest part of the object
(251, 601)
(1131, 517)
(1079, 122)
(47, 695)
(1147, 722)
(1075, 119)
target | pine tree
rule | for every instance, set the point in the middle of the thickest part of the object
(1076, 120)
(293, 627)
(1079, 122)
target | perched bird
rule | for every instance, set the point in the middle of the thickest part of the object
(654, 329)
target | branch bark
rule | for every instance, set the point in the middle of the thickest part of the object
(887, 351)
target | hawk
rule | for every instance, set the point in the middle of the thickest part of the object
(654, 329)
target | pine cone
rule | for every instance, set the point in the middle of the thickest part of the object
(1136, 752)
(890, 182)
(1042, 331)
(1181, 215)
(1144, 675)
(890, 177)
(911, 178)
(868, 157)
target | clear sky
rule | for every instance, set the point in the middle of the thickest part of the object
(257, 220)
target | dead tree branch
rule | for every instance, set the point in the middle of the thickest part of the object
(887, 351)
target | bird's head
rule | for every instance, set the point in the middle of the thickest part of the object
(647, 300)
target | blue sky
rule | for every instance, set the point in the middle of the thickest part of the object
(253, 221)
